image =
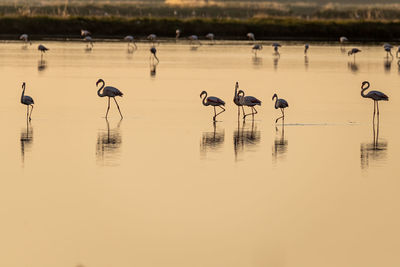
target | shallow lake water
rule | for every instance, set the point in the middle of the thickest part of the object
(166, 186)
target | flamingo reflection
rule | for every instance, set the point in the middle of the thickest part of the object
(42, 65)
(212, 140)
(245, 138)
(353, 66)
(108, 144)
(280, 145)
(387, 64)
(375, 151)
(153, 68)
(26, 140)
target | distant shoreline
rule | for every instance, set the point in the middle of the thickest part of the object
(290, 29)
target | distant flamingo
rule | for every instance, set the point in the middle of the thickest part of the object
(109, 91)
(131, 40)
(353, 51)
(25, 38)
(152, 38)
(193, 39)
(210, 36)
(282, 104)
(374, 95)
(388, 48)
(343, 39)
(28, 101)
(251, 36)
(276, 47)
(257, 47)
(249, 101)
(236, 99)
(42, 49)
(153, 52)
(85, 33)
(306, 46)
(177, 34)
(212, 101)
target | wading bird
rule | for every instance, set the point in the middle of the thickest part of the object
(152, 37)
(210, 36)
(276, 47)
(236, 99)
(212, 101)
(42, 49)
(257, 47)
(343, 39)
(131, 41)
(153, 52)
(85, 33)
(281, 104)
(251, 36)
(109, 91)
(249, 101)
(306, 46)
(353, 51)
(194, 39)
(25, 38)
(374, 95)
(388, 49)
(28, 101)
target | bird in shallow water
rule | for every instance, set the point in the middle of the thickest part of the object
(110, 92)
(213, 101)
(28, 101)
(281, 104)
(374, 95)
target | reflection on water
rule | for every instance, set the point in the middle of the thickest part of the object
(306, 62)
(342, 49)
(280, 145)
(375, 151)
(257, 61)
(108, 145)
(276, 61)
(42, 65)
(26, 140)
(245, 137)
(353, 66)
(387, 64)
(212, 140)
(194, 47)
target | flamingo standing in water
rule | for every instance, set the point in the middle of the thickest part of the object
(42, 49)
(374, 95)
(249, 101)
(85, 33)
(276, 47)
(153, 52)
(388, 48)
(28, 101)
(353, 51)
(251, 36)
(25, 38)
(131, 40)
(306, 47)
(212, 101)
(109, 91)
(257, 47)
(210, 36)
(236, 99)
(282, 104)
(177, 34)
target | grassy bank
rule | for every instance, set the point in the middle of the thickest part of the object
(280, 28)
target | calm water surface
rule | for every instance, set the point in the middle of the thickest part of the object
(167, 187)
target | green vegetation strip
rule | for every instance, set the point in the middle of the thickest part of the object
(280, 28)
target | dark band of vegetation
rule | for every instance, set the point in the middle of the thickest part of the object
(109, 27)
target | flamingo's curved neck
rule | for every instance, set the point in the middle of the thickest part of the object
(236, 93)
(276, 101)
(98, 91)
(204, 99)
(363, 89)
(23, 93)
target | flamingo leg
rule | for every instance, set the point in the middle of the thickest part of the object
(281, 117)
(108, 108)
(223, 110)
(30, 115)
(118, 107)
(27, 112)
(377, 108)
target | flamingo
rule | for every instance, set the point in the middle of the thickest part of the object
(28, 101)
(109, 91)
(249, 101)
(153, 52)
(257, 47)
(177, 34)
(251, 36)
(25, 38)
(353, 51)
(276, 47)
(210, 36)
(374, 95)
(343, 39)
(89, 40)
(131, 40)
(85, 33)
(306, 46)
(236, 99)
(282, 104)
(213, 101)
(388, 49)
(152, 37)
(42, 49)
(194, 38)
